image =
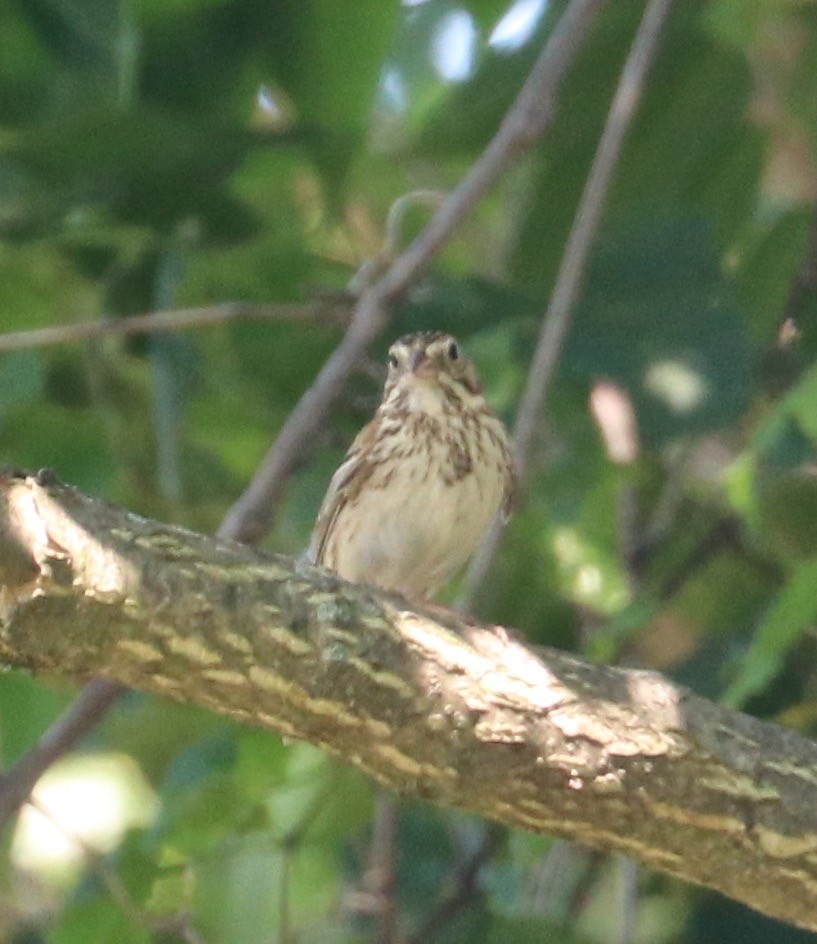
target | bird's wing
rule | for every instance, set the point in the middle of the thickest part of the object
(345, 483)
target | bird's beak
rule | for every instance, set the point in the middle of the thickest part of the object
(419, 364)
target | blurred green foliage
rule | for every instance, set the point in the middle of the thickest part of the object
(159, 154)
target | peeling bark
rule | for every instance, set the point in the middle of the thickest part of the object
(458, 714)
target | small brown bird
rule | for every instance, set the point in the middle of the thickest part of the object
(422, 481)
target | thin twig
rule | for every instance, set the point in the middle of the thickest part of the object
(553, 880)
(179, 924)
(324, 311)
(465, 890)
(525, 122)
(574, 260)
(80, 717)
(627, 879)
(379, 881)
(376, 265)
(284, 921)
(375, 895)
(288, 843)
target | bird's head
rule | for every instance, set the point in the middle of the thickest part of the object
(429, 360)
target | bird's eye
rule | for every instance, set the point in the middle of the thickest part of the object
(453, 351)
(392, 361)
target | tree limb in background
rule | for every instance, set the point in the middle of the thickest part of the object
(457, 714)
(580, 240)
(78, 718)
(329, 311)
(465, 890)
(526, 121)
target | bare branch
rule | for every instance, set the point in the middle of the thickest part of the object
(81, 715)
(324, 311)
(627, 900)
(464, 892)
(574, 260)
(526, 121)
(455, 713)
(591, 207)
(376, 895)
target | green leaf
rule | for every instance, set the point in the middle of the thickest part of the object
(27, 708)
(72, 442)
(80, 33)
(261, 762)
(329, 63)
(529, 930)
(767, 267)
(202, 803)
(245, 896)
(462, 305)
(21, 377)
(487, 13)
(98, 919)
(620, 628)
(785, 438)
(801, 402)
(658, 316)
(144, 167)
(692, 150)
(335, 63)
(738, 21)
(793, 612)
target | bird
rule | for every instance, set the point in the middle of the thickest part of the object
(422, 481)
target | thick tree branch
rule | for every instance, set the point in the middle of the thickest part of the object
(457, 714)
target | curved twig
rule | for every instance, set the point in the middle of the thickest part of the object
(524, 124)
(569, 280)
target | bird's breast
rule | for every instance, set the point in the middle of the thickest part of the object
(433, 489)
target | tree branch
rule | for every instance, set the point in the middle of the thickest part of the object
(75, 722)
(464, 892)
(570, 276)
(322, 311)
(526, 121)
(457, 714)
